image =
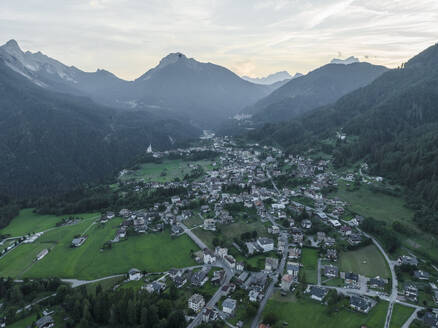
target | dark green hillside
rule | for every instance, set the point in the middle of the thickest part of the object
(318, 88)
(391, 123)
(50, 142)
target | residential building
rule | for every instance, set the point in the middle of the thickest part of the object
(196, 302)
(267, 244)
(229, 306)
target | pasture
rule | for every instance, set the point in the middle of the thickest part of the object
(366, 261)
(309, 259)
(305, 313)
(400, 314)
(166, 171)
(28, 221)
(389, 209)
(150, 252)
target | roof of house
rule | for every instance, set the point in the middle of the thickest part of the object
(352, 276)
(229, 303)
(317, 291)
(359, 302)
(44, 321)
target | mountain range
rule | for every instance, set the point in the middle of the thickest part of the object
(320, 87)
(202, 92)
(272, 78)
(392, 124)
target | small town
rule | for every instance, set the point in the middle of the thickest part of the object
(294, 234)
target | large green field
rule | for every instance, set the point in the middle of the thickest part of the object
(309, 259)
(231, 231)
(305, 313)
(400, 314)
(389, 209)
(27, 222)
(166, 171)
(378, 205)
(366, 261)
(150, 252)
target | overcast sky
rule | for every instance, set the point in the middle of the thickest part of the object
(251, 37)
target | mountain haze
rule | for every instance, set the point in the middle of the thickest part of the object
(51, 141)
(392, 124)
(317, 88)
(272, 78)
(201, 92)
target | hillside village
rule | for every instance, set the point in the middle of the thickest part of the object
(301, 229)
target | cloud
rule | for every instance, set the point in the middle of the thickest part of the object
(254, 37)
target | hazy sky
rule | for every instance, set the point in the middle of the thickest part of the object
(253, 37)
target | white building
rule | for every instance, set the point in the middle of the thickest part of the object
(196, 302)
(41, 254)
(267, 244)
(229, 306)
(134, 274)
(209, 256)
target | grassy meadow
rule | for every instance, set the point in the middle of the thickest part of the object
(366, 261)
(305, 313)
(28, 221)
(149, 252)
(166, 171)
(389, 209)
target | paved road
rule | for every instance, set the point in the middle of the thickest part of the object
(195, 238)
(27, 307)
(269, 290)
(319, 272)
(411, 319)
(76, 283)
(273, 183)
(215, 298)
(393, 296)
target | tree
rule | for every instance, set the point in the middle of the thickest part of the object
(270, 318)
(176, 320)
(132, 314)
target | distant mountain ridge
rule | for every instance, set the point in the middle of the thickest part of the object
(392, 124)
(51, 142)
(204, 92)
(272, 78)
(347, 61)
(320, 87)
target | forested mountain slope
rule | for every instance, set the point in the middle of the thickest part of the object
(391, 123)
(50, 142)
(318, 88)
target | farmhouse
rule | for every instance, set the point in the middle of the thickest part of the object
(134, 274)
(317, 293)
(360, 304)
